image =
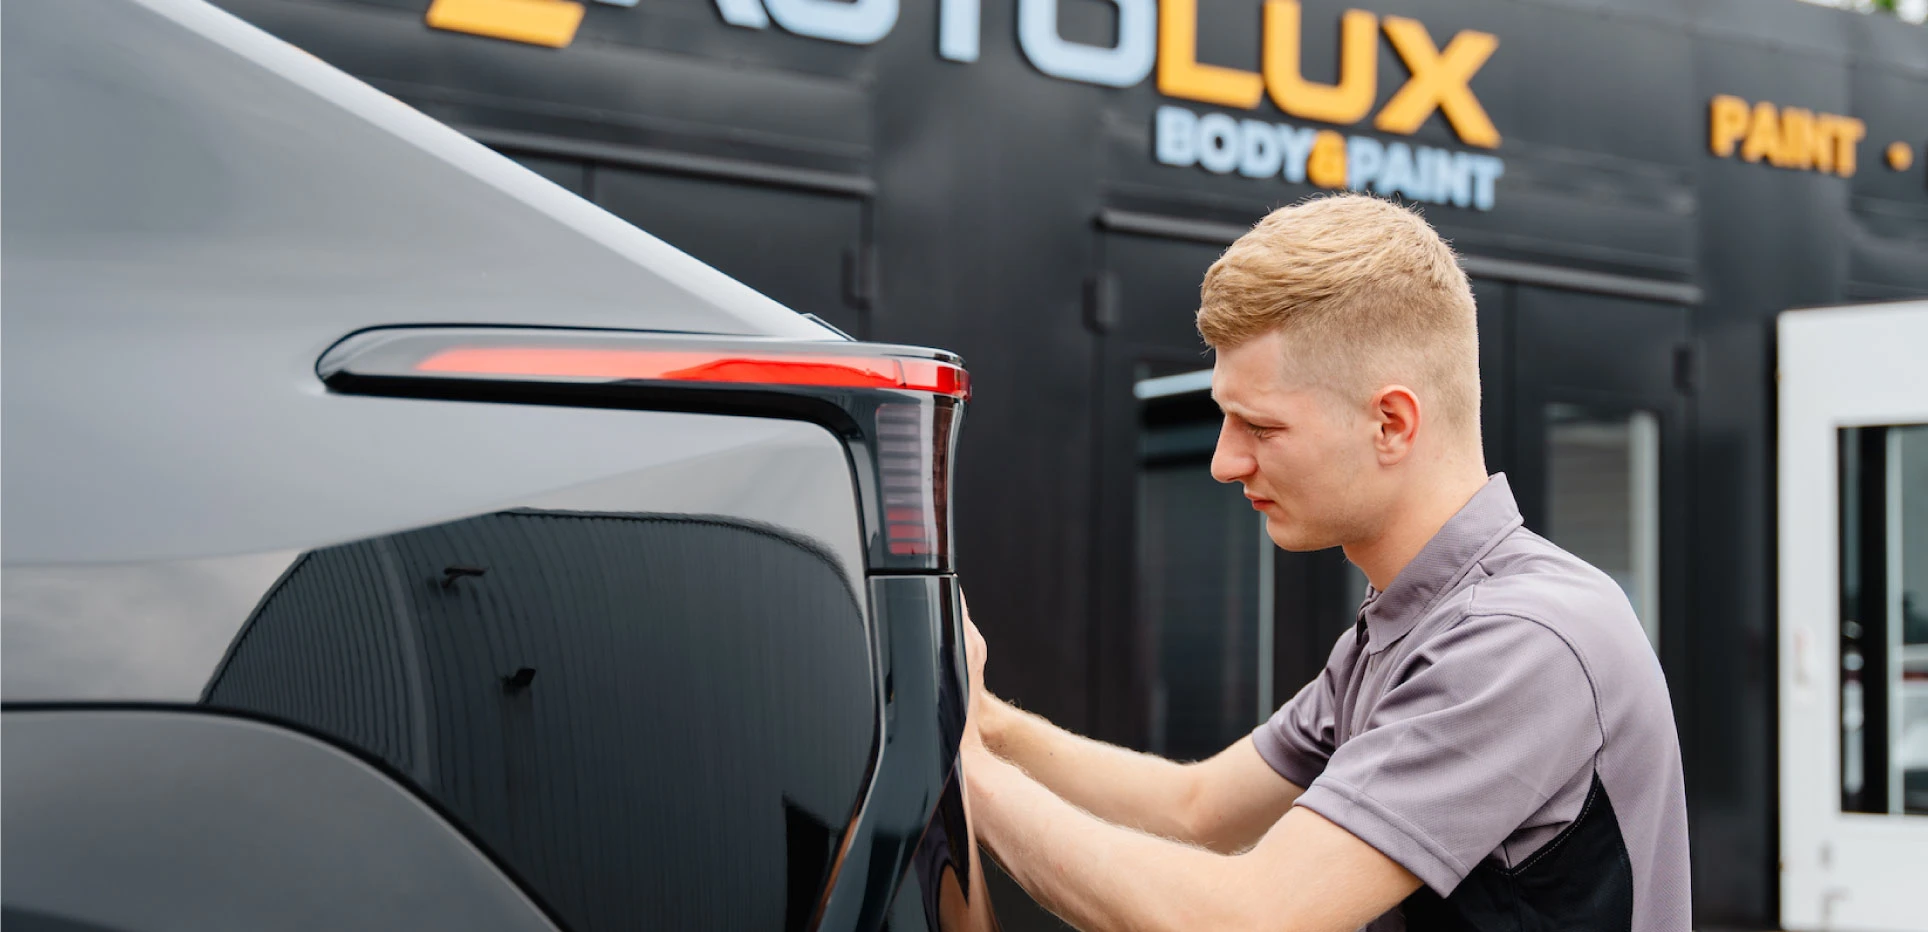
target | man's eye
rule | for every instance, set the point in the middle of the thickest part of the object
(1260, 432)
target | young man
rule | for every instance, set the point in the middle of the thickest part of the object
(1490, 746)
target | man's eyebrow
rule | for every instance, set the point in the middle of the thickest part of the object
(1239, 411)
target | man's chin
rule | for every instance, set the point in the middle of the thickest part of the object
(1295, 538)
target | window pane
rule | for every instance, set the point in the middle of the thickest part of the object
(1884, 619)
(1603, 498)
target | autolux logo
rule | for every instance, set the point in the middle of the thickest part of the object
(1160, 36)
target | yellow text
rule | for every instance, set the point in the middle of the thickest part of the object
(1784, 137)
(1440, 78)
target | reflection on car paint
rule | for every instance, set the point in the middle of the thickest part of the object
(129, 631)
(639, 715)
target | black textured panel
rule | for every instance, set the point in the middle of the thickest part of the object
(1581, 880)
(635, 713)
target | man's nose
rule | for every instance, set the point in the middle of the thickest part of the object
(1232, 460)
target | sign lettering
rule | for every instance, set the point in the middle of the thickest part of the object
(1440, 78)
(1785, 137)
(1161, 37)
(1222, 145)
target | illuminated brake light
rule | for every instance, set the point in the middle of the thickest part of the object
(738, 368)
(940, 378)
(895, 409)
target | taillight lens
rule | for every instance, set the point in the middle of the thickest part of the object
(911, 444)
(736, 367)
(897, 408)
(912, 473)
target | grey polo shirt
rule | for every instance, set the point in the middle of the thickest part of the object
(1497, 723)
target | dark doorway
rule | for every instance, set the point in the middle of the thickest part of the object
(1201, 626)
(1599, 427)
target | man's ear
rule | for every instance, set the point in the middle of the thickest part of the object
(1395, 409)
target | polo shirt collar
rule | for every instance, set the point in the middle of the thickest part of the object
(1476, 528)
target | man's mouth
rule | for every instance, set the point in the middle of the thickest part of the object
(1258, 504)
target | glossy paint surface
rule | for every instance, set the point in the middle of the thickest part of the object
(625, 657)
(641, 715)
(914, 825)
(141, 819)
(111, 627)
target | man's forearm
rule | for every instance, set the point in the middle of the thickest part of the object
(1124, 787)
(1091, 873)
(1306, 875)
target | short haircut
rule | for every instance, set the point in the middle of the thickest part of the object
(1367, 293)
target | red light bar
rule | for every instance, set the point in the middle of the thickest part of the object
(733, 367)
(896, 407)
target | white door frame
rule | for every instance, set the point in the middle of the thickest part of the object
(1839, 367)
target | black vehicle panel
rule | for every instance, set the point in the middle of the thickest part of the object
(621, 658)
(642, 715)
(145, 819)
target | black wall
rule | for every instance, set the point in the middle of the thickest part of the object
(999, 212)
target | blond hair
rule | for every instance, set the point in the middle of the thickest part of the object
(1366, 292)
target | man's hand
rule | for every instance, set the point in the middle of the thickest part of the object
(980, 700)
(1225, 803)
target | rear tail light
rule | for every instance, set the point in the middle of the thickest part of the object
(722, 366)
(897, 408)
(913, 470)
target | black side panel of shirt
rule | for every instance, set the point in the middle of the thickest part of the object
(1581, 881)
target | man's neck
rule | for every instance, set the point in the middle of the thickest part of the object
(1426, 510)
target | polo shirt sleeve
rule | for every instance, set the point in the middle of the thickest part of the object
(1298, 739)
(1491, 720)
